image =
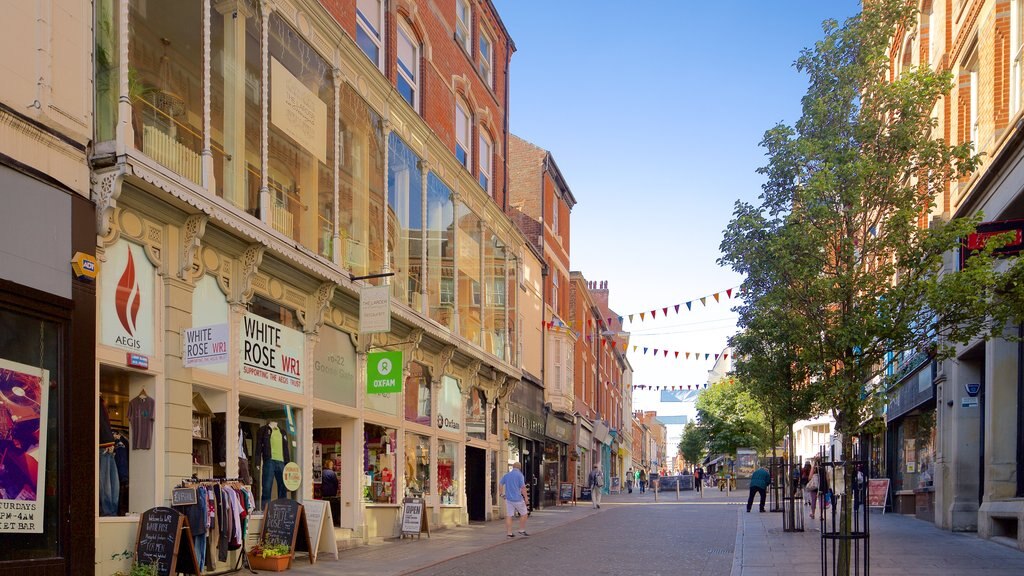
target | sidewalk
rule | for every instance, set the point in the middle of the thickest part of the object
(899, 545)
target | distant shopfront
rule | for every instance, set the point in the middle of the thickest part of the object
(910, 423)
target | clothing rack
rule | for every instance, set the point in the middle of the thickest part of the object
(243, 554)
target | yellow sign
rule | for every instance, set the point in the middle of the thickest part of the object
(84, 266)
(292, 476)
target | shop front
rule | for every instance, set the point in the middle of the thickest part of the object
(526, 437)
(558, 430)
(602, 451)
(910, 422)
(584, 453)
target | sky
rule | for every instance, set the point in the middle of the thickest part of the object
(654, 114)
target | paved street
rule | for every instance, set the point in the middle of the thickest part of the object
(632, 534)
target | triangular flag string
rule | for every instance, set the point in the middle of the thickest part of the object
(689, 306)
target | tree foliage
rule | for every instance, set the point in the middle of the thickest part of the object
(693, 444)
(730, 418)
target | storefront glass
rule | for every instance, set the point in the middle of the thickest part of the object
(210, 306)
(379, 464)
(275, 432)
(31, 385)
(236, 111)
(449, 406)
(334, 360)
(361, 210)
(470, 230)
(300, 164)
(915, 451)
(476, 414)
(417, 465)
(440, 280)
(495, 328)
(447, 474)
(405, 204)
(165, 86)
(417, 394)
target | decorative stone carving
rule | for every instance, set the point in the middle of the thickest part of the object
(192, 235)
(319, 307)
(249, 266)
(444, 360)
(106, 189)
(505, 386)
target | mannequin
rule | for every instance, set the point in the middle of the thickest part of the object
(272, 450)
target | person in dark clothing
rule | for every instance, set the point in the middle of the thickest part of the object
(759, 483)
(328, 481)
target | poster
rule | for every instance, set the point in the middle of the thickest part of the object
(24, 392)
(272, 354)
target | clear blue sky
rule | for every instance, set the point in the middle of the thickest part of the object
(654, 111)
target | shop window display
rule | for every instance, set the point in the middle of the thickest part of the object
(417, 465)
(476, 414)
(447, 475)
(127, 416)
(379, 464)
(405, 221)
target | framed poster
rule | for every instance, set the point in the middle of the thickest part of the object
(24, 391)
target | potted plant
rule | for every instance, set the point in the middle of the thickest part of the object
(269, 555)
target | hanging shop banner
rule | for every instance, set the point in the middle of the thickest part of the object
(297, 111)
(272, 354)
(449, 405)
(23, 414)
(126, 299)
(375, 309)
(205, 345)
(384, 372)
(558, 429)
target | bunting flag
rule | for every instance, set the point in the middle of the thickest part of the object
(728, 293)
(634, 348)
(654, 314)
(642, 316)
(716, 296)
(677, 354)
(704, 300)
(677, 308)
(630, 318)
(666, 353)
(689, 305)
(645, 350)
(664, 311)
(620, 320)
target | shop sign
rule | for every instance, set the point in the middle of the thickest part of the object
(272, 354)
(205, 345)
(449, 406)
(968, 402)
(601, 433)
(986, 231)
(292, 476)
(297, 111)
(384, 372)
(139, 361)
(24, 390)
(375, 309)
(525, 424)
(126, 299)
(334, 361)
(558, 429)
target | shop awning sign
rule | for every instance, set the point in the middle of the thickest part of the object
(205, 345)
(375, 309)
(384, 372)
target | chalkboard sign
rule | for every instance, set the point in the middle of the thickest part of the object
(878, 493)
(616, 485)
(585, 493)
(164, 539)
(183, 496)
(566, 491)
(284, 521)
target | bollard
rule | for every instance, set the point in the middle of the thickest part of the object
(677, 488)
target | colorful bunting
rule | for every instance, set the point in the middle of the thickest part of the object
(729, 292)
(704, 300)
(654, 313)
(716, 296)
(677, 308)
(688, 305)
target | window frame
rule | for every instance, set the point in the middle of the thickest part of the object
(362, 24)
(486, 64)
(463, 26)
(405, 33)
(1016, 57)
(486, 156)
(465, 147)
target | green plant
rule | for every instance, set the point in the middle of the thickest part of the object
(270, 549)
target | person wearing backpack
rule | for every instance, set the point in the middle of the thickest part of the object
(595, 481)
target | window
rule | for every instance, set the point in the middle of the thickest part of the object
(462, 128)
(974, 122)
(485, 162)
(554, 214)
(554, 292)
(440, 238)
(405, 202)
(408, 66)
(486, 64)
(369, 29)
(417, 465)
(379, 464)
(447, 291)
(417, 393)
(933, 35)
(462, 24)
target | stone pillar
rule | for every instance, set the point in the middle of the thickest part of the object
(177, 390)
(961, 472)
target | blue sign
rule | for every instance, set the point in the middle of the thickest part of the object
(972, 389)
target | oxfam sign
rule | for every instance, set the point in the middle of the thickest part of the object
(384, 372)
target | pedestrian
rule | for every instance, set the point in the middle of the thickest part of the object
(815, 488)
(698, 479)
(629, 479)
(860, 484)
(759, 483)
(595, 481)
(513, 487)
(643, 481)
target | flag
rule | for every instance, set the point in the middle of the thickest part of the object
(653, 314)
(645, 350)
(704, 300)
(665, 354)
(630, 318)
(729, 292)
(724, 356)
(677, 308)
(688, 305)
(677, 354)
(664, 311)
(642, 316)
(716, 296)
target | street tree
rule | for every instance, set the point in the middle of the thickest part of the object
(847, 212)
(730, 418)
(693, 444)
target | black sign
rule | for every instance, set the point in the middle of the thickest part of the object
(183, 496)
(160, 542)
(284, 522)
(566, 491)
(585, 493)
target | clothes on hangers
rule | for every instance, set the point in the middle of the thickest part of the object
(141, 416)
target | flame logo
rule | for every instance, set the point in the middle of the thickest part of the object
(127, 300)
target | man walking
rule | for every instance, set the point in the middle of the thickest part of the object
(513, 488)
(595, 481)
(759, 483)
(629, 479)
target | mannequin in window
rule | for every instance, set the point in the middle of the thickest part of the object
(272, 451)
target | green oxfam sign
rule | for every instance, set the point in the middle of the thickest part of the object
(384, 372)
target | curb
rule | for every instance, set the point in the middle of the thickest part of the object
(737, 550)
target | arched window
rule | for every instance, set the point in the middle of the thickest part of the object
(463, 128)
(486, 153)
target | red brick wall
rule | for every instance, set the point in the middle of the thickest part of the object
(1001, 66)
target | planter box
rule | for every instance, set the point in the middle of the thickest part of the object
(273, 563)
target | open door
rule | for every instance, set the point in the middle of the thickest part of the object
(476, 484)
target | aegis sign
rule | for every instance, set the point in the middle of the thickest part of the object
(126, 299)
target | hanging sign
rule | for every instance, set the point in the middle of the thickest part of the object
(374, 309)
(24, 392)
(126, 299)
(384, 372)
(272, 354)
(205, 345)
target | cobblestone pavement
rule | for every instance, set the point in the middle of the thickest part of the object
(633, 534)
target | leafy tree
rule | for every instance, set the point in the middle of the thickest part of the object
(848, 191)
(730, 418)
(693, 445)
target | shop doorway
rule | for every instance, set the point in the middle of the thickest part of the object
(257, 418)
(531, 470)
(476, 484)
